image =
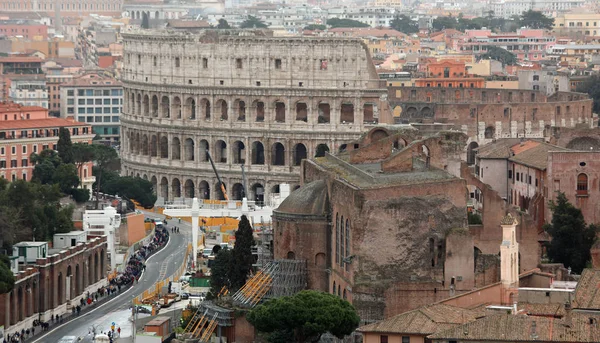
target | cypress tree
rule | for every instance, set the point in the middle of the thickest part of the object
(242, 254)
(64, 146)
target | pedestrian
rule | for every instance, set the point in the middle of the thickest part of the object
(119, 331)
(33, 331)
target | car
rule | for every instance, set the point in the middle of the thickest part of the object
(69, 339)
(142, 309)
(185, 296)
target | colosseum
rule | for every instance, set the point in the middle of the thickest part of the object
(247, 98)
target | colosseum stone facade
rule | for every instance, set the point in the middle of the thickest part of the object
(247, 98)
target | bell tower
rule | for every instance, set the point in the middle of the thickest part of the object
(509, 260)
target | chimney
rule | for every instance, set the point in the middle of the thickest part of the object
(509, 260)
(568, 315)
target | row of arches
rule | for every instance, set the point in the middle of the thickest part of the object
(188, 150)
(240, 110)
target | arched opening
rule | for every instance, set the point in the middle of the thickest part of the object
(425, 150)
(145, 177)
(300, 153)
(176, 149)
(259, 107)
(585, 143)
(102, 266)
(203, 150)
(190, 108)
(154, 106)
(370, 115)
(176, 188)
(189, 189)
(347, 113)
(21, 303)
(176, 107)
(291, 255)
(69, 284)
(189, 149)
(278, 155)
(321, 150)
(96, 268)
(156, 15)
(131, 102)
(378, 135)
(222, 108)
(258, 153)
(489, 132)
(426, 112)
(220, 152)
(78, 288)
(237, 192)
(471, 152)
(205, 105)
(275, 189)
(138, 143)
(219, 192)
(320, 260)
(301, 111)
(240, 106)
(279, 112)
(582, 184)
(324, 115)
(334, 288)
(138, 104)
(153, 146)
(203, 190)
(258, 193)
(146, 106)
(154, 182)
(90, 271)
(239, 152)
(412, 112)
(165, 107)
(164, 147)
(164, 188)
(343, 147)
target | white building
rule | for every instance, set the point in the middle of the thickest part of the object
(69, 239)
(374, 17)
(103, 223)
(509, 8)
(29, 92)
(29, 252)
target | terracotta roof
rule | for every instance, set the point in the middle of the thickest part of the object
(499, 149)
(14, 107)
(20, 59)
(521, 328)
(424, 321)
(542, 310)
(67, 62)
(522, 146)
(536, 156)
(587, 293)
(38, 123)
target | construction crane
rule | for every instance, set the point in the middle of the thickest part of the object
(221, 184)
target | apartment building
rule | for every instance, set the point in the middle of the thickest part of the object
(526, 44)
(26, 29)
(95, 100)
(28, 90)
(509, 8)
(578, 24)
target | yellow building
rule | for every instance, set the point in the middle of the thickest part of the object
(578, 24)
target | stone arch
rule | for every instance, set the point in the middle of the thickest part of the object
(189, 148)
(324, 113)
(164, 188)
(489, 132)
(237, 191)
(139, 105)
(154, 182)
(96, 267)
(203, 147)
(220, 152)
(471, 153)
(154, 109)
(146, 106)
(131, 102)
(71, 286)
(275, 189)
(279, 111)
(343, 147)
(145, 177)
(301, 111)
(78, 288)
(90, 271)
(190, 108)
(378, 134)
(300, 153)
(138, 144)
(320, 260)
(222, 109)
(259, 110)
(584, 144)
(189, 191)
(240, 109)
(239, 152)
(164, 147)
(176, 149)
(321, 150)
(102, 266)
(176, 107)
(203, 190)
(347, 113)
(291, 255)
(205, 106)
(165, 107)
(258, 192)
(219, 192)
(278, 154)
(425, 150)
(21, 303)
(176, 188)
(258, 153)
(411, 112)
(154, 146)
(426, 112)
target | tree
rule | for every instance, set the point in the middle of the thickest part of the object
(253, 22)
(7, 279)
(313, 27)
(591, 86)
(535, 20)
(442, 23)
(337, 22)
(242, 254)
(223, 24)
(11, 227)
(500, 55)
(82, 154)
(103, 156)
(134, 188)
(64, 146)
(404, 24)
(572, 239)
(220, 272)
(145, 21)
(304, 317)
(66, 177)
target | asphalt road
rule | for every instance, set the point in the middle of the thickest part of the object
(158, 267)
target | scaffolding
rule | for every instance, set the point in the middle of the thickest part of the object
(279, 278)
(264, 247)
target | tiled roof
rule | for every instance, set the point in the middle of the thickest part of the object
(424, 321)
(523, 146)
(550, 310)
(520, 328)
(20, 59)
(498, 149)
(536, 156)
(38, 123)
(587, 293)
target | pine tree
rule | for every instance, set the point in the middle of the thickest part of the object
(220, 272)
(242, 254)
(64, 146)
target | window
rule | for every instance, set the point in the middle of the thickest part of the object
(2, 151)
(154, 59)
(177, 62)
(13, 163)
(35, 148)
(139, 59)
(383, 339)
(405, 339)
(24, 162)
(277, 63)
(13, 150)
(582, 184)
(205, 63)
(517, 176)
(238, 63)
(24, 147)
(115, 119)
(536, 77)
(70, 92)
(510, 174)
(2, 164)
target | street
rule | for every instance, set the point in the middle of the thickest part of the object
(118, 309)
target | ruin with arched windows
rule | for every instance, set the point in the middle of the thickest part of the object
(46, 287)
(231, 96)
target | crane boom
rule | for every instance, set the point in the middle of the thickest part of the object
(223, 190)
